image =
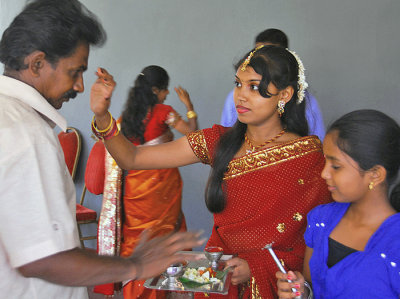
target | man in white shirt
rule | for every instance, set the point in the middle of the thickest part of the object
(45, 52)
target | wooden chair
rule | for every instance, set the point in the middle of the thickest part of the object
(71, 144)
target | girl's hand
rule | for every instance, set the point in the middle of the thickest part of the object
(285, 287)
(241, 270)
(101, 92)
(184, 97)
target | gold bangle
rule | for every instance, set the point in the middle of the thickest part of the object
(191, 114)
(105, 130)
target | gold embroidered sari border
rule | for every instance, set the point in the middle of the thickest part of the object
(272, 156)
(198, 144)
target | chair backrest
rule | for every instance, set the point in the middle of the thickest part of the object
(71, 144)
(95, 169)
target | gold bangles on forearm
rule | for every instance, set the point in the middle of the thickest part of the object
(191, 114)
(109, 132)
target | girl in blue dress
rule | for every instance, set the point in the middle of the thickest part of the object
(353, 244)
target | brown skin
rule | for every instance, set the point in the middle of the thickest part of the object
(55, 82)
(182, 126)
(262, 121)
(77, 267)
(368, 209)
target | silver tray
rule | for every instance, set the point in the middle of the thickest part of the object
(162, 282)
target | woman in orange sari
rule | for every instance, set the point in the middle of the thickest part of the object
(151, 198)
(265, 169)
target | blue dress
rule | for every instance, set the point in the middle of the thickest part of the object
(372, 273)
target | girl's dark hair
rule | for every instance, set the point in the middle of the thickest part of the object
(141, 98)
(55, 27)
(371, 138)
(278, 66)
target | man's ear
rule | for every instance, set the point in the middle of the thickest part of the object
(155, 90)
(35, 61)
(286, 94)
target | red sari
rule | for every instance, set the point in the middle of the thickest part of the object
(151, 200)
(268, 195)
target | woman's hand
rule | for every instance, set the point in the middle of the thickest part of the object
(100, 95)
(241, 270)
(285, 287)
(184, 97)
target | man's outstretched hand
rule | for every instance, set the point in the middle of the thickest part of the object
(152, 257)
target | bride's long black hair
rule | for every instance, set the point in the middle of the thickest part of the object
(278, 66)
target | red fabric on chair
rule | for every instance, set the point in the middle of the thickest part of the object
(71, 145)
(85, 214)
(94, 173)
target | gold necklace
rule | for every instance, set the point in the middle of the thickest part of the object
(254, 148)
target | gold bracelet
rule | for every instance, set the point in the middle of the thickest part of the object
(105, 130)
(191, 114)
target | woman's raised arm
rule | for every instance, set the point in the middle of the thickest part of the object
(172, 154)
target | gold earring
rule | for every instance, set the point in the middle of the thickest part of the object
(281, 107)
(371, 186)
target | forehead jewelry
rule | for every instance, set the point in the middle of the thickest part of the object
(301, 78)
(247, 61)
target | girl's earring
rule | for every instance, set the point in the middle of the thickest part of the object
(371, 186)
(281, 107)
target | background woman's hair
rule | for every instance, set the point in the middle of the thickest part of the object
(141, 98)
(371, 138)
(278, 66)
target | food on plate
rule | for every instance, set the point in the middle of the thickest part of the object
(201, 275)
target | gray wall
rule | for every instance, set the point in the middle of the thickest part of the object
(349, 49)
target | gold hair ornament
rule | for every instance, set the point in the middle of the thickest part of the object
(301, 80)
(247, 61)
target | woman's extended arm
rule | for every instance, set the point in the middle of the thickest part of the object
(168, 155)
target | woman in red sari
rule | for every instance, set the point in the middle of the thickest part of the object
(151, 198)
(265, 169)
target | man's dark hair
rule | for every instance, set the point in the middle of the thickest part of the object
(55, 27)
(273, 36)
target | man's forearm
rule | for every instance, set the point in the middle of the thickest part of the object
(79, 267)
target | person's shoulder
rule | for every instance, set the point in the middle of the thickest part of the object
(309, 96)
(219, 129)
(328, 210)
(213, 133)
(392, 224)
(305, 143)
(162, 107)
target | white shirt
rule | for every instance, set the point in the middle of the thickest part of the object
(37, 194)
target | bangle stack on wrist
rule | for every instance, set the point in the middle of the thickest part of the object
(191, 114)
(111, 131)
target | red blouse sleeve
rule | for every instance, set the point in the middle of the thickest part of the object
(204, 142)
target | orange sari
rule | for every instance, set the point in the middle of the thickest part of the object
(151, 200)
(268, 195)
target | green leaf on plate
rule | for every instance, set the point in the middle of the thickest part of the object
(192, 284)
